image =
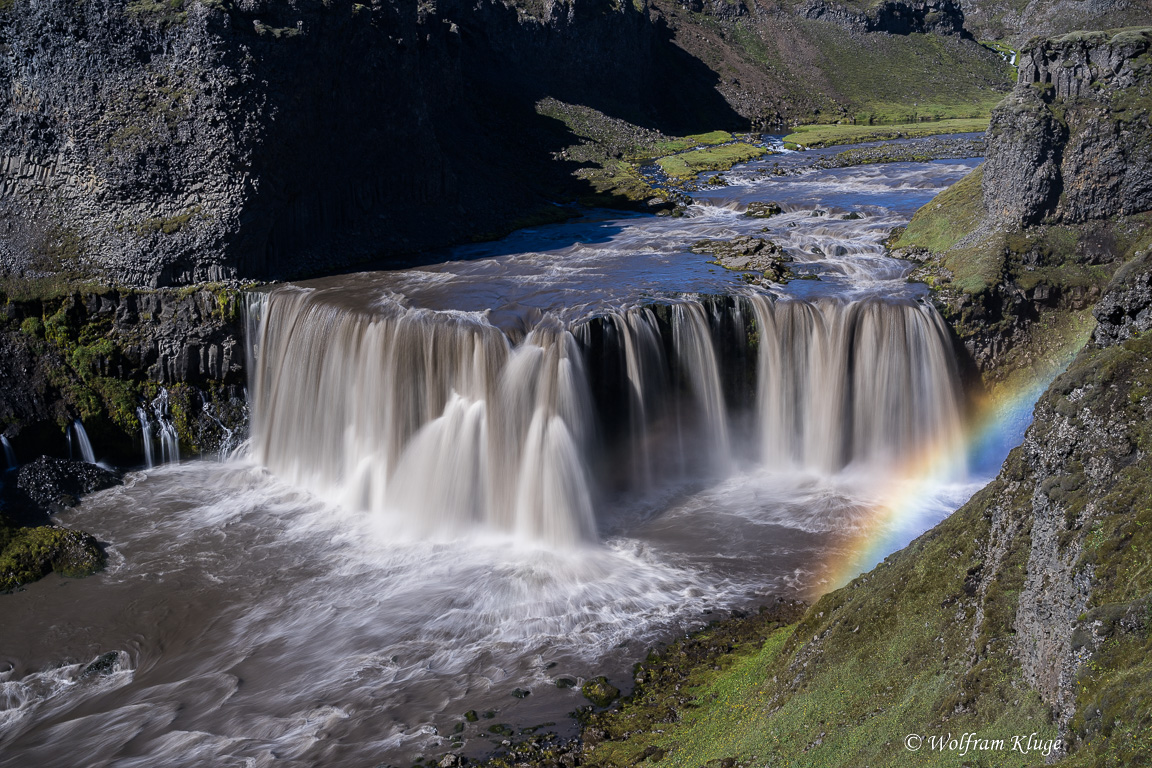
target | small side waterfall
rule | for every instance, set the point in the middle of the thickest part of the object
(9, 453)
(82, 444)
(157, 429)
(445, 421)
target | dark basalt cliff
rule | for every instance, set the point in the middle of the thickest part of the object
(1021, 250)
(163, 144)
(155, 144)
(1072, 142)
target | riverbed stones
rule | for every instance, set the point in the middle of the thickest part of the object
(761, 210)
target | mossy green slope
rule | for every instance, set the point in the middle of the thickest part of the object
(952, 215)
(719, 158)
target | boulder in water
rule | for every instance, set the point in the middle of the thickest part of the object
(55, 484)
(763, 210)
(29, 554)
(748, 254)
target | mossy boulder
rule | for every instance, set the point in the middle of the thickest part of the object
(30, 553)
(600, 692)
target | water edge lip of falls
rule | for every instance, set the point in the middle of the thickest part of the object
(540, 493)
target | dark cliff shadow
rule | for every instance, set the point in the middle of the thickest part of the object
(396, 134)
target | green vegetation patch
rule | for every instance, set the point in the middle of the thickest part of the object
(719, 158)
(829, 135)
(952, 215)
(907, 78)
(28, 554)
(914, 646)
(680, 144)
(169, 225)
(161, 12)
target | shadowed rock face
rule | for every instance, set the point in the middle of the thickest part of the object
(896, 18)
(1072, 142)
(154, 146)
(54, 484)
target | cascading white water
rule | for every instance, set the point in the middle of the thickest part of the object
(853, 381)
(695, 349)
(83, 445)
(438, 417)
(168, 438)
(446, 421)
(146, 437)
(9, 453)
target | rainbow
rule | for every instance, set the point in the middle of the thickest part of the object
(945, 475)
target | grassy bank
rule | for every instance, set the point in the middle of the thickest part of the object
(687, 164)
(829, 135)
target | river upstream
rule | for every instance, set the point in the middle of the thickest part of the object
(469, 480)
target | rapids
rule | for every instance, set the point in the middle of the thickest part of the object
(533, 461)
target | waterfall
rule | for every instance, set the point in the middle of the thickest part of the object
(444, 421)
(146, 437)
(158, 428)
(82, 443)
(439, 417)
(9, 454)
(866, 381)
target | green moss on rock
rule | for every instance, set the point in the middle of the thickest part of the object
(952, 215)
(31, 553)
(600, 692)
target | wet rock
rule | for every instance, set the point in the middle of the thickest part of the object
(471, 716)
(55, 484)
(31, 553)
(761, 210)
(105, 664)
(521, 693)
(600, 692)
(748, 254)
(565, 682)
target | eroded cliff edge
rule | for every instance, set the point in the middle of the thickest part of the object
(1021, 250)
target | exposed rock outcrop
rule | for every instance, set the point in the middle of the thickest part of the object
(1073, 142)
(893, 17)
(100, 356)
(55, 484)
(1126, 310)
